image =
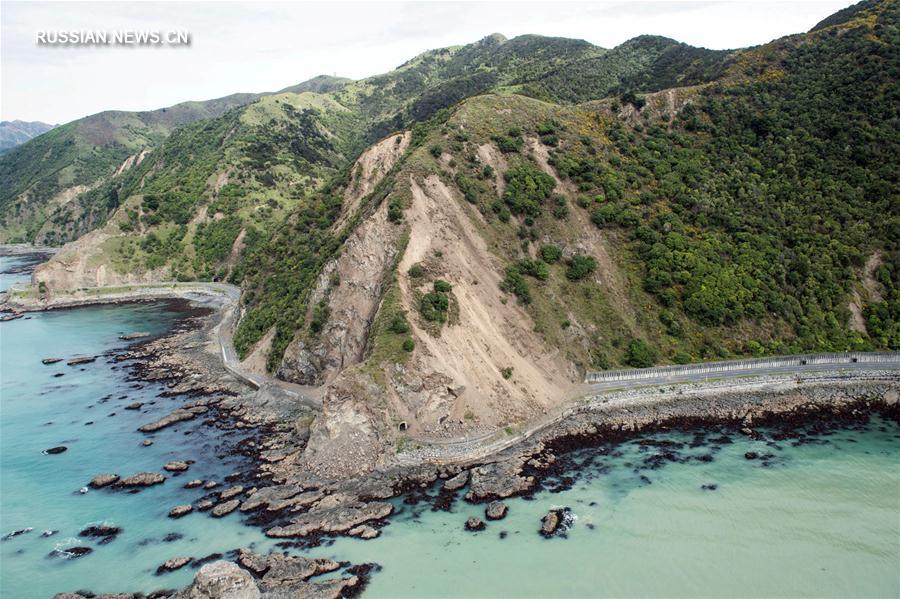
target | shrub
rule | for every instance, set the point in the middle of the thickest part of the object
(436, 150)
(506, 372)
(399, 325)
(395, 211)
(534, 268)
(416, 271)
(580, 267)
(527, 188)
(639, 354)
(409, 344)
(516, 284)
(550, 253)
(434, 307)
(442, 286)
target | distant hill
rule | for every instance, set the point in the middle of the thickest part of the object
(14, 133)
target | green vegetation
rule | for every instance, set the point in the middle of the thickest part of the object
(883, 318)
(639, 354)
(580, 267)
(527, 188)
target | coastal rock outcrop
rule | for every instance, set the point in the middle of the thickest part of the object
(181, 510)
(474, 524)
(142, 479)
(173, 564)
(179, 415)
(103, 480)
(223, 509)
(332, 520)
(496, 510)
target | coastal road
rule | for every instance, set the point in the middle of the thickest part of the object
(746, 373)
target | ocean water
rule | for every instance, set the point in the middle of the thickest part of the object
(84, 411)
(665, 515)
(818, 520)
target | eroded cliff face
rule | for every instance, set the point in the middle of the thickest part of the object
(350, 287)
(453, 383)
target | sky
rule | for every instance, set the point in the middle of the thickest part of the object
(260, 46)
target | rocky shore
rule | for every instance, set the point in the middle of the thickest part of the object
(302, 508)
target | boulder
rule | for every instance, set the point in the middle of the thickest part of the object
(457, 482)
(474, 524)
(178, 415)
(81, 360)
(48, 361)
(231, 492)
(181, 510)
(100, 530)
(223, 509)
(134, 406)
(210, 485)
(204, 505)
(364, 531)
(193, 484)
(550, 523)
(71, 552)
(143, 479)
(55, 450)
(177, 466)
(496, 510)
(103, 480)
(221, 580)
(174, 564)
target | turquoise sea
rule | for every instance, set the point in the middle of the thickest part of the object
(665, 515)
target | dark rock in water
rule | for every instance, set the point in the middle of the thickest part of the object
(496, 510)
(173, 564)
(49, 533)
(474, 524)
(51, 360)
(81, 360)
(210, 485)
(71, 552)
(55, 450)
(181, 510)
(710, 487)
(134, 406)
(143, 479)
(556, 522)
(100, 531)
(172, 537)
(503, 534)
(751, 455)
(146, 442)
(193, 483)
(16, 533)
(103, 480)
(59, 374)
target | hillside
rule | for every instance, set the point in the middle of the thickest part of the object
(453, 244)
(42, 178)
(15, 133)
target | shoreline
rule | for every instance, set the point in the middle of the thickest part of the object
(303, 510)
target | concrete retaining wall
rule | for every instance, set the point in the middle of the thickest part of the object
(741, 365)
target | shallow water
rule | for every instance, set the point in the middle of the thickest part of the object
(39, 411)
(819, 519)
